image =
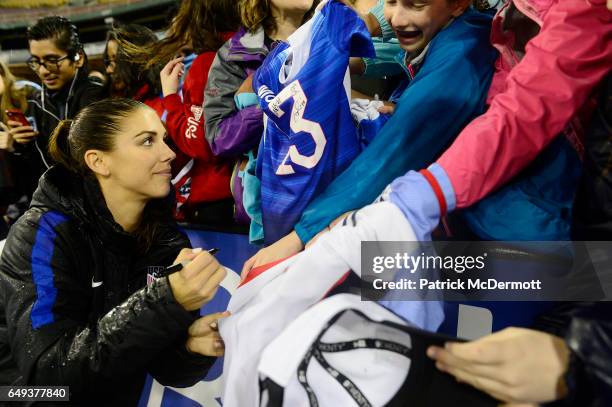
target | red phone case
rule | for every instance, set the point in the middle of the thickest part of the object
(17, 116)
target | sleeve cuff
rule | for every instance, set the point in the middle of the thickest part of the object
(172, 102)
(445, 185)
(414, 194)
(186, 356)
(244, 100)
(181, 315)
(303, 234)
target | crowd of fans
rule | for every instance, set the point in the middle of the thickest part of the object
(497, 127)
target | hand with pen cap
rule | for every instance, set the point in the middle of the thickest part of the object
(198, 280)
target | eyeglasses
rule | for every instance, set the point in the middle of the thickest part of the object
(50, 64)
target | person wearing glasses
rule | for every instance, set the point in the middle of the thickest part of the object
(127, 77)
(58, 59)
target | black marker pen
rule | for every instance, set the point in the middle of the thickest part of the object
(179, 266)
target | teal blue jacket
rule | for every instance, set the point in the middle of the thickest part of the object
(447, 91)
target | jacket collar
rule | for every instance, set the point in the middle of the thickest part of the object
(504, 41)
(247, 46)
(536, 10)
(82, 200)
(411, 63)
(57, 104)
(62, 95)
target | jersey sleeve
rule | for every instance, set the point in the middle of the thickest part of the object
(347, 31)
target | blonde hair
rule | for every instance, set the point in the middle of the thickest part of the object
(11, 98)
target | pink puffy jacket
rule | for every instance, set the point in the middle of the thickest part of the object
(533, 100)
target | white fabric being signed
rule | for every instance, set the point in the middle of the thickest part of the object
(262, 308)
(337, 353)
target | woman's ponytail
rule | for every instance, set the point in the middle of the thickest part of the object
(59, 146)
(95, 127)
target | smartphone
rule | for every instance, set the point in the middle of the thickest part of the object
(17, 116)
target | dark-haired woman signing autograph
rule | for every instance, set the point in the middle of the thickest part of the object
(75, 307)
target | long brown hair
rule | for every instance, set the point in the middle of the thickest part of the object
(133, 72)
(95, 127)
(199, 23)
(11, 98)
(256, 13)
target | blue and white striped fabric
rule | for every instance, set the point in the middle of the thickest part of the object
(304, 91)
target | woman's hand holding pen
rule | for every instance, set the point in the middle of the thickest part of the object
(197, 282)
(194, 278)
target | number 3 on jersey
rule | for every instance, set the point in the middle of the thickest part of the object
(298, 123)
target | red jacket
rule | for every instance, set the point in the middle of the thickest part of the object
(210, 176)
(154, 103)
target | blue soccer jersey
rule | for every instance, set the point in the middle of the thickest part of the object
(310, 138)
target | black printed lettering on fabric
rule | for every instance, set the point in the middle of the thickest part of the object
(319, 347)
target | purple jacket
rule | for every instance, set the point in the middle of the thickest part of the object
(229, 131)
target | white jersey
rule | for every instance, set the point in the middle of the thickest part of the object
(264, 306)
